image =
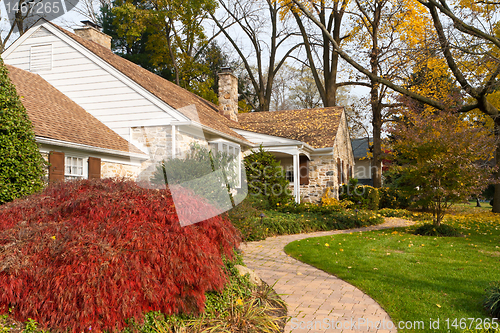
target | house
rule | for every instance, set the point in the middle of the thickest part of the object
(362, 162)
(312, 145)
(74, 142)
(110, 117)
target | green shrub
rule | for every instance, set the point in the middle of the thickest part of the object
(363, 196)
(245, 217)
(492, 300)
(333, 206)
(21, 164)
(443, 230)
(389, 212)
(329, 201)
(266, 178)
(276, 223)
(393, 198)
(372, 197)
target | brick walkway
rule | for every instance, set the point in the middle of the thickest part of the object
(311, 294)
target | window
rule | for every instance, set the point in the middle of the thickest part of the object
(73, 167)
(62, 167)
(230, 149)
(213, 147)
(289, 176)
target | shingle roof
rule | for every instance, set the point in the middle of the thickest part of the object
(316, 127)
(360, 147)
(56, 116)
(165, 90)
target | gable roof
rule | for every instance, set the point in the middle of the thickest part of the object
(316, 127)
(360, 147)
(170, 93)
(56, 116)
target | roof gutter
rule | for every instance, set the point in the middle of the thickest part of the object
(79, 146)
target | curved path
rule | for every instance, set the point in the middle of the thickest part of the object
(312, 295)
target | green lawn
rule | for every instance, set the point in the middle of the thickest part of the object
(415, 277)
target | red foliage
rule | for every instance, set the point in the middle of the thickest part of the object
(94, 253)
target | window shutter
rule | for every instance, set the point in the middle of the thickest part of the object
(343, 173)
(94, 168)
(56, 168)
(304, 170)
(339, 172)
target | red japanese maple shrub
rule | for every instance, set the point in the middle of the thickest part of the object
(90, 254)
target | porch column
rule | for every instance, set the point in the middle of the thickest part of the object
(296, 178)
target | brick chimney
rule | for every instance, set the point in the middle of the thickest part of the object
(228, 94)
(91, 31)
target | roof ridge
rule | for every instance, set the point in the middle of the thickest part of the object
(291, 110)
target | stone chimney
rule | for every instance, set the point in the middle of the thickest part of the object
(91, 31)
(228, 94)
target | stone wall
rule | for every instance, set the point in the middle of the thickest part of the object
(158, 142)
(323, 169)
(183, 142)
(94, 35)
(156, 139)
(110, 170)
(321, 176)
(228, 94)
(343, 151)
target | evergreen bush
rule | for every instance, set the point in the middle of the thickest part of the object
(21, 164)
(363, 196)
(393, 198)
(267, 178)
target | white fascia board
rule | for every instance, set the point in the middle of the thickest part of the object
(116, 73)
(322, 151)
(19, 41)
(72, 145)
(244, 133)
(227, 136)
(289, 149)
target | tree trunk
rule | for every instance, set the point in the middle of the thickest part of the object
(376, 104)
(496, 197)
(377, 144)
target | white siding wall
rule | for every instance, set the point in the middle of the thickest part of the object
(89, 85)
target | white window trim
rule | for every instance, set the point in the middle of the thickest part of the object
(85, 166)
(219, 143)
